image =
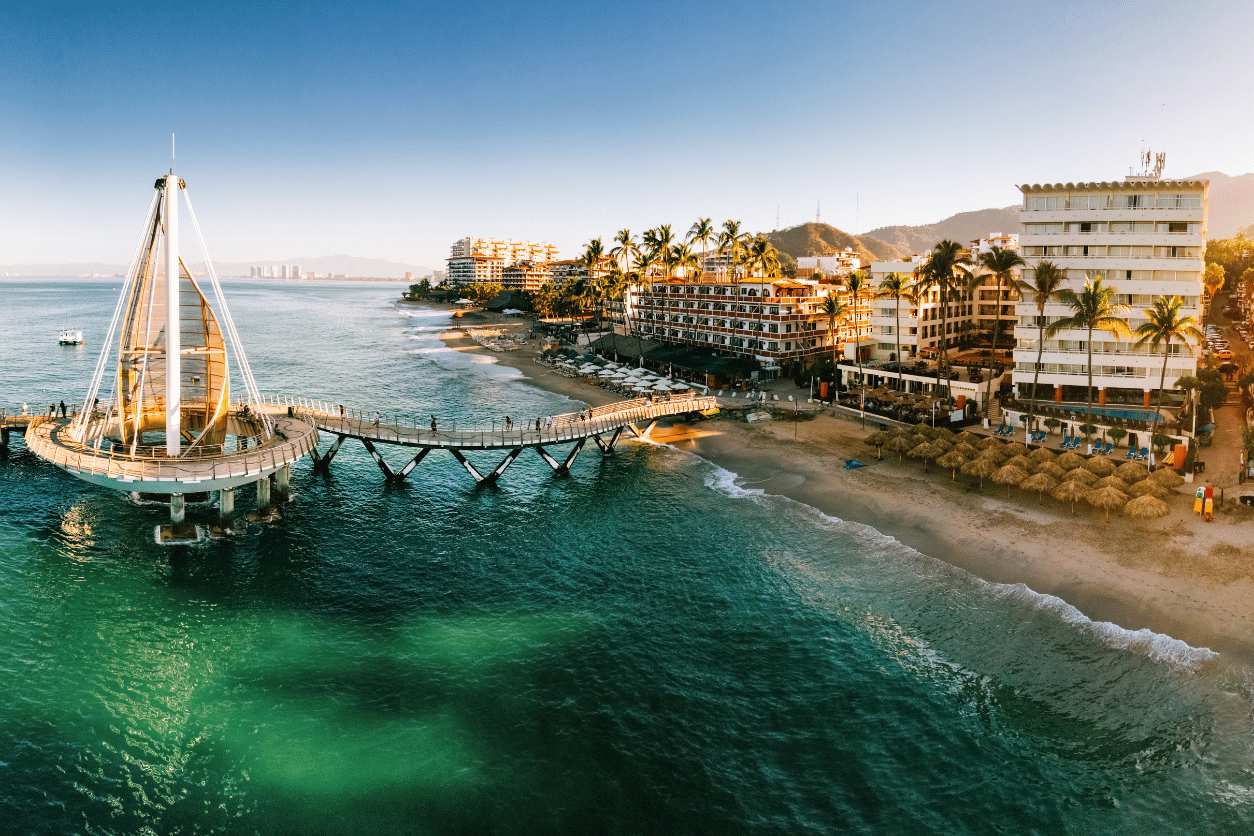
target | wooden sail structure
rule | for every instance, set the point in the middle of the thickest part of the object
(151, 347)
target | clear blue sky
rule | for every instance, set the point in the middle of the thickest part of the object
(389, 130)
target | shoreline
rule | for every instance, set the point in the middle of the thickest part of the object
(1176, 576)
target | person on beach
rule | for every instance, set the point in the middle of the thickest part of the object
(432, 423)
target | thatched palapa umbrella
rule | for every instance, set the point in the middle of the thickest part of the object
(1022, 462)
(1131, 471)
(1146, 507)
(969, 437)
(980, 468)
(1148, 487)
(1167, 477)
(1041, 483)
(1042, 454)
(1017, 448)
(1108, 499)
(989, 442)
(1080, 475)
(1070, 491)
(926, 451)
(945, 433)
(952, 460)
(878, 440)
(899, 445)
(967, 449)
(1069, 461)
(1009, 475)
(1100, 466)
(1109, 482)
(1051, 469)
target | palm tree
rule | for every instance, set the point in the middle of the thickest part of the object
(702, 232)
(1093, 308)
(1001, 263)
(835, 311)
(942, 272)
(626, 248)
(681, 255)
(858, 288)
(897, 287)
(1163, 326)
(1046, 281)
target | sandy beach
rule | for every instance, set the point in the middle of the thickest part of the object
(1176, 575)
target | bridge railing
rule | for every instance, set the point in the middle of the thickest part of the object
(551, 429)
(124, 467)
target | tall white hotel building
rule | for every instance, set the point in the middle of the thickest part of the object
(1145, 237)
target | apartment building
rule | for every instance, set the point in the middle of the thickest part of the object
(987, 303)
(774, 320)
(1144, 236)
(923, 324)
(831, 264)
(526, 275)
(479, 260)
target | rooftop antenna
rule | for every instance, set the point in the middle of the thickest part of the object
(171, 153)
(777, 216)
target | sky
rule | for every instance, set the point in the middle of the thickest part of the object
(389, 130)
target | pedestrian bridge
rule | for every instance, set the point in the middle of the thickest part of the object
(604, 425)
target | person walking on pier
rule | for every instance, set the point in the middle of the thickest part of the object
(432, 423)
(507, 423)
(62, 409)
(52, 410)
(376, 419)
(537, 425)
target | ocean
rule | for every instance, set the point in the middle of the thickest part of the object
(645, 647)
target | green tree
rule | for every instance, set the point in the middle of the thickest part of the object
(1092, 309)
(625, 250)
(1046, 281)
(702, 232)
(945, 271)
(835, 311)
(859, 289)
(897, 287)
(1164, 324)
(481, 293)
(1001, 264)
(1213, 279)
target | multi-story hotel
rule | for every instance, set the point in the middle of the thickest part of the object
(986, 302)
(483, 260)
(837, 263)
(1145, 237)
(923, 324)
(774, 320)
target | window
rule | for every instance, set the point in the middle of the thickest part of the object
(1042, 204)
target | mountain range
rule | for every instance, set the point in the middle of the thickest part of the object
(1230, 204)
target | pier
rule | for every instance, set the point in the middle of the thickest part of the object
(603, 425)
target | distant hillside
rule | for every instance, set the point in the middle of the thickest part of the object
(1231, 203)
(79, 269)
(963, 228)
(348, 265)
(817, 238)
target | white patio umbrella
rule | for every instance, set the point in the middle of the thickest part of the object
(661, 386)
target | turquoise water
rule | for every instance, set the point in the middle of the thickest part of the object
(644, 647)
(1128, 413)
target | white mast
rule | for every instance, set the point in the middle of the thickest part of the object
(173, 338)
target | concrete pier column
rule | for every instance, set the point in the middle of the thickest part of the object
(1057, 394)
(4, 437)
(263, 492)
(1147, 398)
(1101, 397)
(176, 508)
(283, 479)
(226, 503)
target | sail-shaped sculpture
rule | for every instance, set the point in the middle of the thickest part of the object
(159, 417)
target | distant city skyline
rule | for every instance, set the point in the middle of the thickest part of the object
(390, 132)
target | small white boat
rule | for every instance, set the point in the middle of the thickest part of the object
(71, 337)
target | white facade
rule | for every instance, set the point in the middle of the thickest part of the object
(923, 324)
(1144, 236)
(832, 264)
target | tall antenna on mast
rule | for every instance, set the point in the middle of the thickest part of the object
(171, 153)
(818, 213)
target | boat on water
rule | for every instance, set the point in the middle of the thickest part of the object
(69, 337)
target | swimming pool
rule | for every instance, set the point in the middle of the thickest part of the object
(1128, 413)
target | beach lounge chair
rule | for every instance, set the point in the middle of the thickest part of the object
(1076, 442)
(1131, 454)
(1041, 436)
(1110, 445)
(1066, 439)
(1143, 455)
